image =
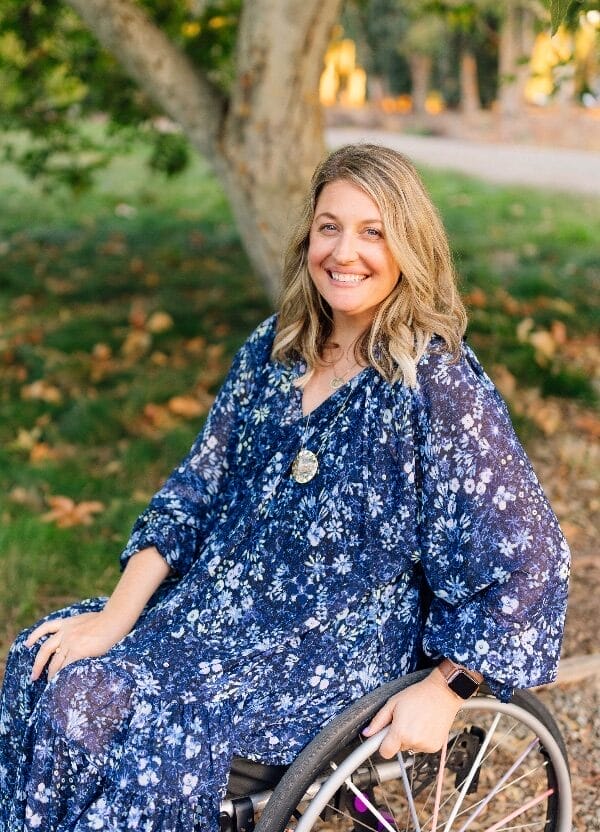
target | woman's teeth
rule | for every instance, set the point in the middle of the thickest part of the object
(347, 278)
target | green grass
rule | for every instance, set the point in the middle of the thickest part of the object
(77, 273)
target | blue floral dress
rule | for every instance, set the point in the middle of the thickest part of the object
(425, 531)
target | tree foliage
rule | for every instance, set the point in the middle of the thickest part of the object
(54, 75)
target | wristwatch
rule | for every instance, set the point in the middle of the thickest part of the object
(465, 683)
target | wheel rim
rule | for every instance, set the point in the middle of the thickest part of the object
(501, 770)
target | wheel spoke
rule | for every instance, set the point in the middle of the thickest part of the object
(533, 744)
(385, 823)
(530, 803)
(471, 774)
(438, 790)
(409, 794)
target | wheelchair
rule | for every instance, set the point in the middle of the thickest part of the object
(504, 767)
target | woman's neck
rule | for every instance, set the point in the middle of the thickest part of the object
(346, 333)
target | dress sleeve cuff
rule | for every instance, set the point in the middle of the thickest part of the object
(176, 543)
(505, 660)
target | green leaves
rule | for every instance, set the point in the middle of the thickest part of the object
(558, 11)
(567, 12)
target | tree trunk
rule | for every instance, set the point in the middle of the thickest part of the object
(420, 74)
(516, 43)
(273, 132)
(470, 101)
(265, 140)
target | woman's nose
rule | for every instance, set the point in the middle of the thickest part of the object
(345, 249)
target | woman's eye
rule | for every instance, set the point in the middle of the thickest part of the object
(374, 232)
(328, 226)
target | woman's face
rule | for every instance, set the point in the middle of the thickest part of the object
(348, 258)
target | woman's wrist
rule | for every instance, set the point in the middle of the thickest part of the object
(461, 681)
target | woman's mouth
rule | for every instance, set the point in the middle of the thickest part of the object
(347, 279)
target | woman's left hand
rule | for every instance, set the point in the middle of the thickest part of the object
(420, 717)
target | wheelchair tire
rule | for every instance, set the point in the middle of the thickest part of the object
(488, 739)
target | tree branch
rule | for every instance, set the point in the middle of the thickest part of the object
(158, 66)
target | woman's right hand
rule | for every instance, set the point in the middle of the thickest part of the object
(69, 639)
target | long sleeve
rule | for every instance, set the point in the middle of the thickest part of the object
(179, 515)
(492, 551)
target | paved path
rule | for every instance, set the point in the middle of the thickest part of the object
(576, 171)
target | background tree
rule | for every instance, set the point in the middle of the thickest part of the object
(239, 79)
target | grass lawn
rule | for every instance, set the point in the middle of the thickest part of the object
(120, 311)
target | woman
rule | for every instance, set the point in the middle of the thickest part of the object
(357, 498)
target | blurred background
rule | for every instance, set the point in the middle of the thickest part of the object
(152, 157)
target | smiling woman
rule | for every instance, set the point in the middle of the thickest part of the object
(349, 259)
(356, 503)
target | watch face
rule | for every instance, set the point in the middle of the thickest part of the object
(462, 684)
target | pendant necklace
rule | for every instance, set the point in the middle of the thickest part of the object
(306, 463)
(338, 380)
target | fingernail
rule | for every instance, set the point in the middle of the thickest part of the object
(366, 731)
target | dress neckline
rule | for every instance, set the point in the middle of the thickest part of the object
(344, 390)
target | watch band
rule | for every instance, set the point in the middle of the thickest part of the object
(460, 680)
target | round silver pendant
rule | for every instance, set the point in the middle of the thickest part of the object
(305, 466)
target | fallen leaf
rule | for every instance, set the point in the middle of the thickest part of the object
(546, 416)
(195, 345)
(186, 406)
(136, 344)
(26, 439)
(524, 327)
(559, 332)
(570, 531)
(137, 315)
(101, 352)
(504, 380)
(115, 245)
(42, 452)
(66, 513)
(136, 265)
(28, 497)
(159, 322)
(476, 298)
(161, 359)
(158, 416)
(544, 345)
(41, 389)
(589, 423)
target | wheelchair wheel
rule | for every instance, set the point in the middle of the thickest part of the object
(504, 767)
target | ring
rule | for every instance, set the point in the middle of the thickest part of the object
(411, 751)
(57, 651)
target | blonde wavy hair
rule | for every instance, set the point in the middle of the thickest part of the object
(424, 302)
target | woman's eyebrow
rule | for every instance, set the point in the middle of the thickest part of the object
(333, 217)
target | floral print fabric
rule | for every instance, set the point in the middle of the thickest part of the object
(424, 533)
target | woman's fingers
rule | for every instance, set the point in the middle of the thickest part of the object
(43, 630)
(58, 661)
(395, 740)
(46, 651)
(382, 718)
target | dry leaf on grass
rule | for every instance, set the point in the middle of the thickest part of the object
(159, 322)
(43, 390)
(66, 513)
(136, 344)
(43, 452)
(589, 423)
(186, 406)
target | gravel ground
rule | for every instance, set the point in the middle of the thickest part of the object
(577, 710)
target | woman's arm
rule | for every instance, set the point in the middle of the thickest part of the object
(491, 548)
(94, 633)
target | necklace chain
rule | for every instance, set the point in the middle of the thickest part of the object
(306, 463)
